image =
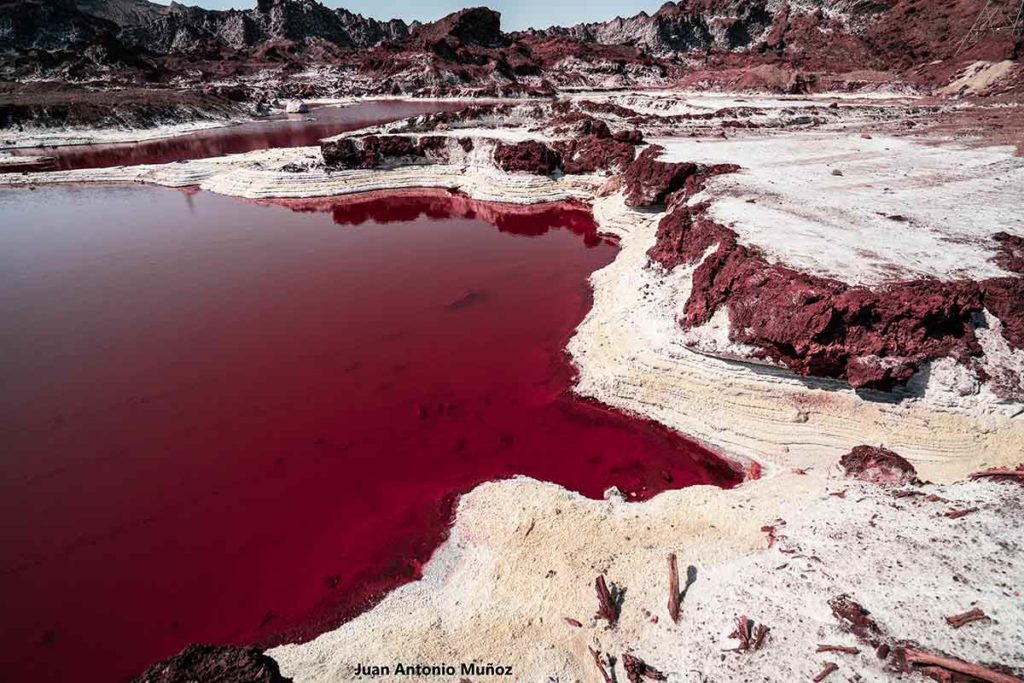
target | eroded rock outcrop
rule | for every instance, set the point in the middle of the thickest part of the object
(590, 145)
(878, 465)
(374, 151)
(818, 326)
(593, 153)
(212, 664)
(528, 156)
(649, 181)
(873, 338)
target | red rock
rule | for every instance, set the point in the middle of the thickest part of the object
(380, 148)
(472, 26)
(594, 153)
(873, 338)
(632, 136)
(878, 465)
(1011, 252)
(211, 664)
(369, 151)
(608, 108)
(649, 181)
(1004, 298)
(528, 156)
(435, 148)
(342, 153)
(577, 124)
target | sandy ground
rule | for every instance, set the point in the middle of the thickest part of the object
(523, 555)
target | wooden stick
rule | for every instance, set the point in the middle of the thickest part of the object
(958, 620)
(1017, 472)
(606, 607)
(673, 588)
(916, 657)
(600, 667)
(759, 633)
(743, 632)
(957, 514)
(845, 649)
(637, 669)
(826, 672)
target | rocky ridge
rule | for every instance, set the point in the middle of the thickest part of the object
(828, 35)
(301, 48)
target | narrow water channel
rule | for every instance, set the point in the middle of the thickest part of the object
(229, 422)
(292, 130)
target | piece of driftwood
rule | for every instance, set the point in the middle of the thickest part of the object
(923, 659)
(637, 670)
(845, 649)
(600, 665)
(958, 620)
(826, 672)
(609, 601)
(1001, 472)
(673, 588)
(751, 637)
(962, 512)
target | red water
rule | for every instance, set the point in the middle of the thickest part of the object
(226, 422)
(294, 130)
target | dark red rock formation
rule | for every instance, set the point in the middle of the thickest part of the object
(608, 108)
(822, 327)
(593, 153)
(528, 156)
(371, 151)
(590, 145)
(211, 664)
(1011, 252)
(435, 148)
(649, 181)
(342, 153)
(577, 123)
(378, 149)
(633, 136)
(1004, 298)
(873, 338)
(878, 465)
(472, 26)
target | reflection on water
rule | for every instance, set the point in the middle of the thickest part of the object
(291, 131)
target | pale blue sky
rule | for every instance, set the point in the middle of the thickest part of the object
(515, 14)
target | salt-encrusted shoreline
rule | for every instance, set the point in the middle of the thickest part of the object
(523, 555)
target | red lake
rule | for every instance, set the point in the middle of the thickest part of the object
(227, 422)
(292, 130)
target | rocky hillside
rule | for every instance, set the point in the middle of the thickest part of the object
(302, 48)
(826, 34)
(179, 29)
(822, 34)
(298, 22)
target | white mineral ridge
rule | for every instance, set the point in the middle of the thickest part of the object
(900, 210)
